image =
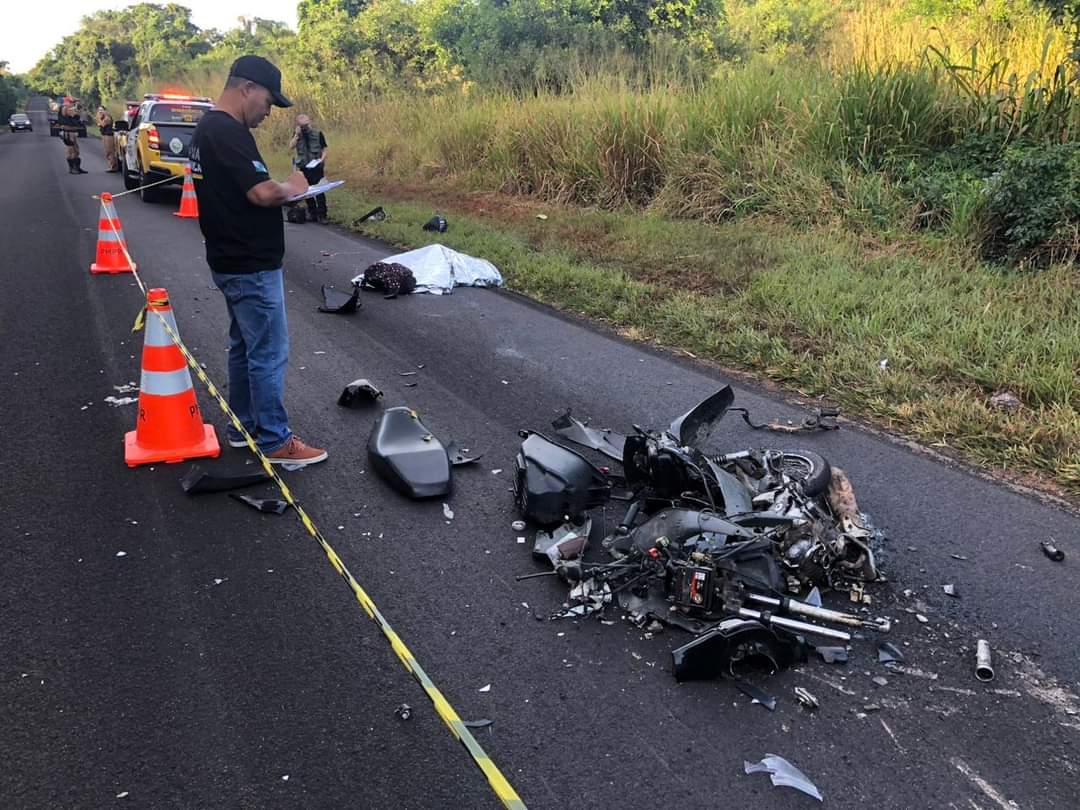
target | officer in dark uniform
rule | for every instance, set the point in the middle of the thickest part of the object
(70, 120)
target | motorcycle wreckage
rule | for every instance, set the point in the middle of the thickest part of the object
(715, 544)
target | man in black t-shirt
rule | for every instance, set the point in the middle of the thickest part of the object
(240, 218)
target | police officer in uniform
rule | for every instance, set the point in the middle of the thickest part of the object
(70, 120)
(108, 142)
(310, 144)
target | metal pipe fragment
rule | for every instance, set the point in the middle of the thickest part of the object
(984, 670)
(793, 625)
(823, 614)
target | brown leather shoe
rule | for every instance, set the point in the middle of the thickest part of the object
(296, 453)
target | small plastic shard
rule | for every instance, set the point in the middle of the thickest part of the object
(484, 723)
(406, 373)
(1051, 551)
(921, 619)
(880, 681)
(121, 554)
(273, 506)
(404, 711)
(200, 480)
(486, 688)
(958, 556)
(950, 590)
(458, 456)
(118, 402)
(783, 774)
(806, 699)
(887, 653)
(518, 525)
(833, 655)
(448, 513)
(359, 393)
(336, 302)
(756, 694)
(814, 597)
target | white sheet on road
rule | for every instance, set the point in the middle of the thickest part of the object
(438, 269)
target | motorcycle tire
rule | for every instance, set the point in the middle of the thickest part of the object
(810, 468)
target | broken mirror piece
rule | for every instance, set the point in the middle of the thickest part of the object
(459, 457)
(338, 303)
(888, 653)
(358, 394)
(274, 506)
(783, 774)
(222, 477)
(408, 456)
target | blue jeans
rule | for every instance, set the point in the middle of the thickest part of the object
(258, 354)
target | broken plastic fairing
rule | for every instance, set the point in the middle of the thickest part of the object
(552, 482)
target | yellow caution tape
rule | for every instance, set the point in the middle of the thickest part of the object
(499, 784)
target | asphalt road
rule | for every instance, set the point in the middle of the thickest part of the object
(220, 662)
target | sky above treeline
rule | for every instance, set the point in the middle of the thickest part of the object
(29, 29)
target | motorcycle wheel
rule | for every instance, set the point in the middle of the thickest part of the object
(810, 468)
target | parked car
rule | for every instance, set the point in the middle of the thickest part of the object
(19, 122)
(153, 146)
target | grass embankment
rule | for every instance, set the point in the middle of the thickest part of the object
(769, 220)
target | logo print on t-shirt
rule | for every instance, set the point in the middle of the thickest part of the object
(260, 167)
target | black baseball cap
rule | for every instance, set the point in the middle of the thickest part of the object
(261, 71)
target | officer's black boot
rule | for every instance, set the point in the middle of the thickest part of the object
(78, 167)
(71, 165)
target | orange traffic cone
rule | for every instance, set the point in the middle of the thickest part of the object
(189, 204)
(111, 246)
(169, 427)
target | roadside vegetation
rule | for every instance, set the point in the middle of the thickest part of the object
(876, 202)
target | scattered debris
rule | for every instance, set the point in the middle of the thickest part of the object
(274, 506)
(118, 402)
(407, 373)
(1006, 401)
(436, 223)
(448, 513)
(359, 393)
(376, 214)
(806, 699)
(889, 653)
(950, 590)
(783, 774)
(1052, 551)
(921, 619)
(958, 556)
(336, 302)
(221, 477)
(880, 681)
(518, 525)
(832, 655)
(984, 669)
(483, 723)
(459, 455)
(121, 554)
(486, 688)
(404, 711)
(756, 695)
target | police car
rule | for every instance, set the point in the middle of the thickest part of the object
(154, 145)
